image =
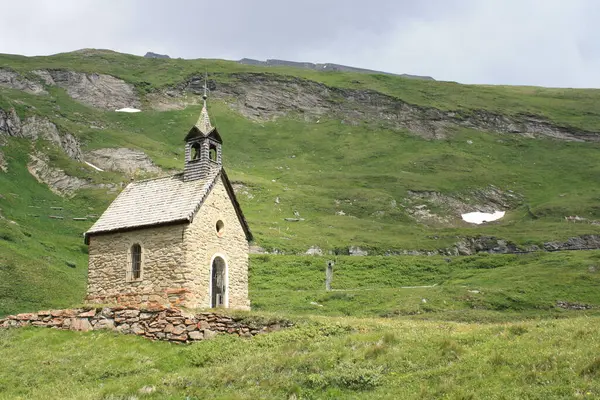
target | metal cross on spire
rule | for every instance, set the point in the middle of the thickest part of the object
(205, 96)
(203, 123)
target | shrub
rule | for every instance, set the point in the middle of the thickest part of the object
(517, 330)
(592, 369)
(347, 376)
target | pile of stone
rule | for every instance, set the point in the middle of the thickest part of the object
(169, 324)
(573, 306)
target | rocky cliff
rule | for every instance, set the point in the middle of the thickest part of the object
(262, 96)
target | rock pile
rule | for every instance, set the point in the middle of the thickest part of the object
(168, 324)
(573, 306)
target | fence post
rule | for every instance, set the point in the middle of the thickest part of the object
(329, 275)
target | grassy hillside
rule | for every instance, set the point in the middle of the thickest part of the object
(321, 169)
(576, 107)
(318, 169)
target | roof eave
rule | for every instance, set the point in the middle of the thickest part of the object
(88, 234)
(195, 132)
(236, 205)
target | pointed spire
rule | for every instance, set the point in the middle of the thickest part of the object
(203, 123)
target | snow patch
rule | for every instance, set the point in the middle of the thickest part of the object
(128, 109)
(93, 166)
(481, 217)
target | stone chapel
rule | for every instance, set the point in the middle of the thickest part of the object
(180, 240)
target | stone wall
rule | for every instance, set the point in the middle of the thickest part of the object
(162, 278)
(202, 244)
(166, 324)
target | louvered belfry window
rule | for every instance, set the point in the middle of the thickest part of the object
(136, 261)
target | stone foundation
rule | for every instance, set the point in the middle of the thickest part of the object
(167, 324)
(152, 300)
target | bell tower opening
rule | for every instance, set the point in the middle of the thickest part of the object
(195, 151)
(203, 147)
(212, 152)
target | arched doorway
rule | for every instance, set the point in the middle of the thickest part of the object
(218, 283)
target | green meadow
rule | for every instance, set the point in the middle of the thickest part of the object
(519, 326)
(484, 327)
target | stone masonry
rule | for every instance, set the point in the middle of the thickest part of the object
(155, 324)
(176, 260)
(162, 258)
(202, 243)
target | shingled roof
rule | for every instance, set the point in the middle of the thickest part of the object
(161, 201)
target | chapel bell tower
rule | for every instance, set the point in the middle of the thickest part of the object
(202, 147)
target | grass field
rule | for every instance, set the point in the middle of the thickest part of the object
(479, 288)
(490, 328)
(342, 358)
(483, 326)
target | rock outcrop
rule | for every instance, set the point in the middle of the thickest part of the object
(314, 251)
(262, 96)
(489, 199)
(492, 245)
(94, 90)
(56, 179)
(3, 166)
(10, 123)
(13, 80)
(575, 243)
(70, 146)
(35, 128)
(155, 324)
(124, 160)
(155, 55)
(41, 128)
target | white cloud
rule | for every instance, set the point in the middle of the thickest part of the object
(535, 42)
(525, 42)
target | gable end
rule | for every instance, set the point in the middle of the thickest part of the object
(236, 205)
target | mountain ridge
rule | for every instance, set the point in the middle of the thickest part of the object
(325, 67)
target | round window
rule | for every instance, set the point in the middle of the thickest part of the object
(220, 228)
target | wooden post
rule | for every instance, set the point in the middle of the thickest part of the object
(329, 275)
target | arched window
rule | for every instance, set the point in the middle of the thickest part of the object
(218, 289)
(136, 262)
(195, 151)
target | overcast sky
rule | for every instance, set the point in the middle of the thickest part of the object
(520, 42)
